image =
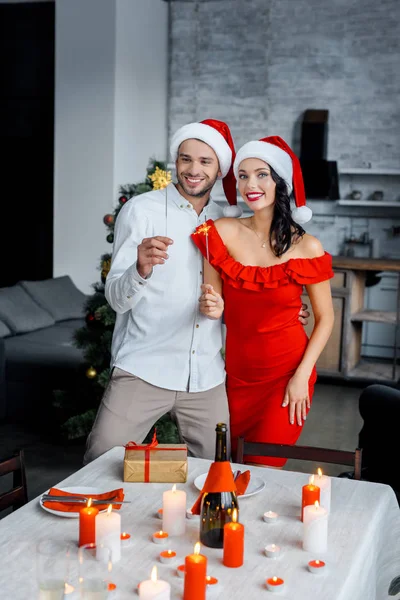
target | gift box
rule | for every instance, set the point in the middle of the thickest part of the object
(155, 463)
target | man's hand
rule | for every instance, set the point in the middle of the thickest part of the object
(152, 251)
(211, 303)
(304, 314)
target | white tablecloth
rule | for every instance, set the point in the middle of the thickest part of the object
(363, 540)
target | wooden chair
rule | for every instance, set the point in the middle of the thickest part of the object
(18, 495)
(311, 453)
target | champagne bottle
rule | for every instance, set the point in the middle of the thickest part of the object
(217, 507)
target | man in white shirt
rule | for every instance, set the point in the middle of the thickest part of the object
(166, 355)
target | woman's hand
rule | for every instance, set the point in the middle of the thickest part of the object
(296, 396)
(211, 303)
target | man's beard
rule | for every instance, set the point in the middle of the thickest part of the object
(199, 194)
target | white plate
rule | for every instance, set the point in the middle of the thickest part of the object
(255, 486)
(88, 491)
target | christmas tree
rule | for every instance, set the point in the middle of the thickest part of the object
(95, 338)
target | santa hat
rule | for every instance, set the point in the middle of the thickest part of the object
(218, 136)
(275, 151)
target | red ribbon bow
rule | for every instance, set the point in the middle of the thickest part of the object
(146, 448)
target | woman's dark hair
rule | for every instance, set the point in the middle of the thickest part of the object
(283, 229)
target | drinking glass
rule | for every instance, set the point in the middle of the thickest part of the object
(52, 558)
(94, 571)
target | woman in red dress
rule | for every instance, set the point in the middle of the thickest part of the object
(254, 272)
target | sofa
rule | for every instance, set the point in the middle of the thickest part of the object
(37, 353)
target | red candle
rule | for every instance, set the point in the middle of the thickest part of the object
(316, 566)
(87, 530)
(195, 575)
(275, 584)
(160, 537)
(167, 556)
(211, 580)
(180, 570)
(310, 495)
(233, 542)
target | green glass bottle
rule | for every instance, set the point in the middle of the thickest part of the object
(217, 507)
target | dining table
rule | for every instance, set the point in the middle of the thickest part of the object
(361, 560)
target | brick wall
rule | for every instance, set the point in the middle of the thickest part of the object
(258, 64)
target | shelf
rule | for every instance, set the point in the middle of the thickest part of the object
(375, 316)
(355, 171)
(376, 371)
(377, 203)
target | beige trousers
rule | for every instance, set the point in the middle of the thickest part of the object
(131, 406)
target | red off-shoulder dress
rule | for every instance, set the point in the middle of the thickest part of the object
(265, 340)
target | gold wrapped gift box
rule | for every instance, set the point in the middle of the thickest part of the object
(163, 463)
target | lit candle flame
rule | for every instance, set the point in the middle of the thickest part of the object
(235, 515)
(208, 577)
(274, 579)
(311, 480)
(169, 551)
(154, 574)
(109, 509)
(273, 547)
(89, 504)
(317, 562)
(319, 471)
(109, 566)
(316, 504)
(197, 548)
(160, 533)
(174, 488)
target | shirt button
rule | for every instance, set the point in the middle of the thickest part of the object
(140, 282)
(201, 272)
(193, 351)
(181, 206)
(188, 206)
(129, 297)
(197, 325)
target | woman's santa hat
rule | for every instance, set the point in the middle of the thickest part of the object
(218, 136)
(275, 151)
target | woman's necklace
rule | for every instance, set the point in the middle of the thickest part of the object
(264, 242)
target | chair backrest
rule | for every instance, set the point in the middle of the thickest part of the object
(311, 453)
(18, 495)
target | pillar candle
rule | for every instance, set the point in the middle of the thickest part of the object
(174, 512)
(324, 484)
(310, 495)
(154, 588)
(108, 534)
(315, 529)
(195, 575)
(233, 542)
(87, 531)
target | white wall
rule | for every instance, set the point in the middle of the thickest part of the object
(110, 117)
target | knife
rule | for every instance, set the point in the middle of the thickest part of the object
(72, 500)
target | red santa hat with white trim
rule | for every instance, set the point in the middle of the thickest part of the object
(275, 151)
(218, 136)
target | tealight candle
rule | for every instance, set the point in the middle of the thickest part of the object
(310, 495)
(316, 566)
(270, 516)
(160, 537)
(211, 585)
(160, 513)
(108, 534)
(125, 539)
(272, 551)
(324, 484)
(154, 589)
(180, 571)
(87, 524)
(275, 584)
(174, 511)
(112, 590)
(167, 556)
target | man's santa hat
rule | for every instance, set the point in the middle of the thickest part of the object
(218, 136)
(275, 151)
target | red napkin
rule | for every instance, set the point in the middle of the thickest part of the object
(220, 479)
(72, 507)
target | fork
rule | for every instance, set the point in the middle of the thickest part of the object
(79, 499)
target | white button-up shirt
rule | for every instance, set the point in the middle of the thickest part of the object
(160, 335)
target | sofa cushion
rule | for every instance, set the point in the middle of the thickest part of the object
(20, 312)
(4, 330)
(58, 296)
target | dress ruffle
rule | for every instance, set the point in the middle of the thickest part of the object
(303, 271)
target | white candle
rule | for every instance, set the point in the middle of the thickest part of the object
(174, 511)
(324, 484)
(272, 551)
(108, 534)
(270, 516)
(154, 589)
(315, 528)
